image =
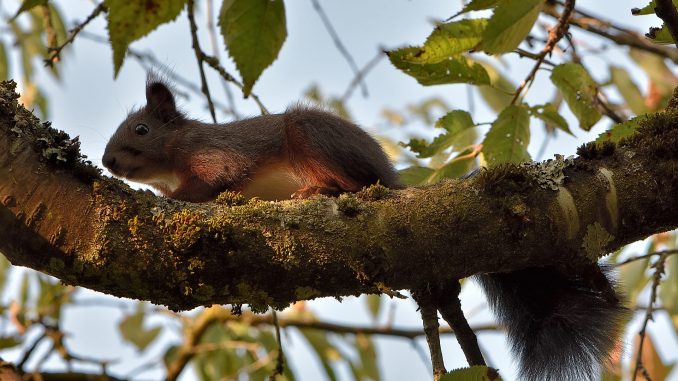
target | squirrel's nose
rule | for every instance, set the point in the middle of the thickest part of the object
(108, 161)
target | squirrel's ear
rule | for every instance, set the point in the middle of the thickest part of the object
(160, 101)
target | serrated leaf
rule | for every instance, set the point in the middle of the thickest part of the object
(580, 92)
(660, 35)
(451, 70)
(622, 130)
(509, 25)
(508, 138)
(133, 331)
(450, 39)
(648, 9)
(455, 122)
(499, 93)
(415, 175)
(374, 303)
(254, 32)
(477, 5)
(549, 114)
(628, 90)
(4, 63)
(27, 5)
(128, 21)
(474, 373)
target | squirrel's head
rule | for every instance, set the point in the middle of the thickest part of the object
(137, 149)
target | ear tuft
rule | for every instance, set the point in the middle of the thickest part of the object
(159, 99)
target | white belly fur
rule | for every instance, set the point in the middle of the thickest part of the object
(276, 182)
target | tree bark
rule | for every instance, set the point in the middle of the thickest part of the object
(58, 215)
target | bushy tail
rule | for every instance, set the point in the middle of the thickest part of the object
(560, 326)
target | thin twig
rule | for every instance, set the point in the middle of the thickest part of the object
(148, 61)
(607, 110)
(54, 52)
(429, 317)
(645, 256)
(280, 360)
(656, 279)
(555, 34)
(199, 57)
(340, 46)
(216, 65)
(620, 36)
(449, 306)
(212, 32)
(360, 76)
(666, 11)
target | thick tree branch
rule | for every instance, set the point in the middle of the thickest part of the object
(59, 216)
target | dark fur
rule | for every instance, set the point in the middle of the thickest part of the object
(327, 154)
(562, 327)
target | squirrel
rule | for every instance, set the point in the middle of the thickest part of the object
(296, 154)
(562, 326)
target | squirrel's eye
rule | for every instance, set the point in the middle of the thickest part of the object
(141, 129)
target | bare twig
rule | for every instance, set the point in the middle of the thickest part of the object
(360, 75)
(666, 11)
(199, 57)
(54, 52)
(340, 46)
(429, 317)
(555, 34)
(280, 360)
(216, 65)
(656, 279)
(645, 256)
(614, 33)
(212, 32)
(449, 306)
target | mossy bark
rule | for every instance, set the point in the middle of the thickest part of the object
(60, 216)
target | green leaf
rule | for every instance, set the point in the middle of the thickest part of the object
(622, 130)
(457, 167)
(580, 92)
(4, 63)
(648, 9)
(474, 373)
(668, 292)
(655, 68)
(511, 22)
(478, 5)
(128, 21)
(455, 122)
(507, 140)
(549, 114)
(660, 35)
(368, 356)
(628, 90)
(26, 5)
(499, 93)
(450, 39)
(323, 349)
(415, 175)
(132, 329)
(451, 70)
(374, 303)
(254, 32)
(9, 342)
